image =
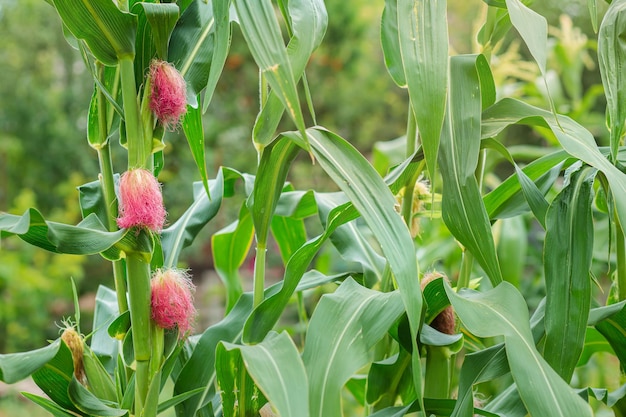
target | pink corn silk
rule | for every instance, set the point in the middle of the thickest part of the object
(172, 300)
(168, 94)
(141, 201)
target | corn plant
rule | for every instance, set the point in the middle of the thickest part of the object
(395, 332)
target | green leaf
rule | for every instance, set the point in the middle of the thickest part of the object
(611, 57)
(191, 46)
(54, 377)
(48, 405)
(223, 33)
(502, 311)
(423, 40)
(374, 201)
(100, 381)
(192, 126)
(162, 18)
(89, 237)
(506, 200)
(266, 314)
(613, 329)
(308, 20)
(105, 312)
(462, 206)
(109, 32)
(575, 139)
(261, 30)
(332, 354)
(199, 370)
(276, 368)
(568, 252)
(230, 247)
(478, 367)
(390, 42)
(17, 366)
(352, 245)
(88, 403)
(183, 232)
(268, 185)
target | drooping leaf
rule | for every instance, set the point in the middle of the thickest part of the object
(55, 376)
(613, 329)
(87, 238)
(221, 13)
(502, 311)
(50, 406)
(17, 366)
(360, 318)
(575, 139)
(109, 32)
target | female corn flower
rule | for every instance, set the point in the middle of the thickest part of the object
(172, 300)
(168, 94)
(141, 201)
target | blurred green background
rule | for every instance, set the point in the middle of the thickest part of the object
(44, 155)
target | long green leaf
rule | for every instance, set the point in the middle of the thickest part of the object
(262, 33)
(17, 366)
(568, 251)
(276, 368)
(423, 40)
(87, 238)
(575, 139)
(191, 46)
(613, 329)
(223, 32)
(308, 20)
(182, 233)
(612, 58)
(48, 405)
(109, 32)
(374, 201)
(502, 311)
(360, 318)
(462, 206)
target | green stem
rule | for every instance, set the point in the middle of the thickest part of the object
(620, 248)
(137, 151)
(107, 183)
(437, 378)
(138, 272)
(259, 273)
